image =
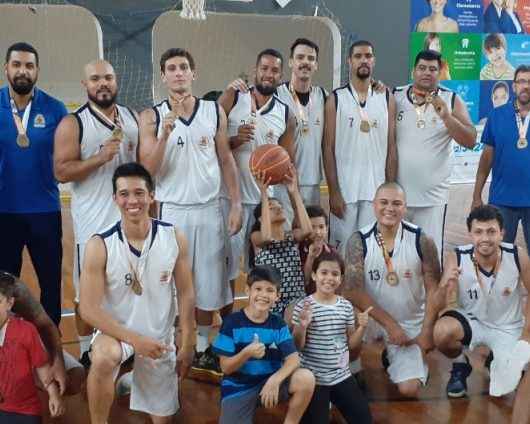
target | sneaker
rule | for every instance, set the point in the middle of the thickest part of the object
(457, 384)
(85, 360)
(206, 367)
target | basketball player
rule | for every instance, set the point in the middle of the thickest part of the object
(306, 102)
(393, 266)
(359, 145)
(428, 118)
(255, 117)
(486, 307)
(185, 147)
(130, 274)
(89, 145)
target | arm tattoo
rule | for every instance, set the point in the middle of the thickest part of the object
(354, 273)
(26, 306)
(430, 262)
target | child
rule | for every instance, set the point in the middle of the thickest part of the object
(258, 356)
(324, 332)
(498, 68)
(21, 352)
(311, 248)
(274, 246)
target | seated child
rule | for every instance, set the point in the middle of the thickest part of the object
(258, 357)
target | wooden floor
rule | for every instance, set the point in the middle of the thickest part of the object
(200, 400)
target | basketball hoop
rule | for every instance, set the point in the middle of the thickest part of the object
(193, 9)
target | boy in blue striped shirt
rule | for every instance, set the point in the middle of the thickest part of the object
(258, 357)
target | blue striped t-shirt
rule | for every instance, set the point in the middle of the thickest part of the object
(236, 333)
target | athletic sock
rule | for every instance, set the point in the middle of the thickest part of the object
(203, 331)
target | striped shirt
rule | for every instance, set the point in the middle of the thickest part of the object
(236, 333)
(326, 351)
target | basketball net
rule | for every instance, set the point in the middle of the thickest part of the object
(193, 9)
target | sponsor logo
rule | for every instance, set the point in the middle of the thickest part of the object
(39, 121)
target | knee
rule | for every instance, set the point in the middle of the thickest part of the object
(105, 354)
(409, 388)
(302, 380)
(444, 334)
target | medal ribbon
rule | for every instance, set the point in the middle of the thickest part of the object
(21, 124)
(299, 106)
(138, 270)
(362, 111)
(116, 123)
(494, 272)
(178, 102)
(420, 109)
(522, 126)
(386, 255)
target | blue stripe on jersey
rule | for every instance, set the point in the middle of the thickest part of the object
(111, 230)
(224, 345)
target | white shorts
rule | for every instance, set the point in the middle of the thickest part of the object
(310, 197)
(154, 387)
(406, 362)
(356, 216)
(204, 229)
(239, 244)
(79, 254)
(431, 219)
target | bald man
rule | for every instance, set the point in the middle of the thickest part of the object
(89, 145)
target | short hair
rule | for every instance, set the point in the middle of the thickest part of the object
(316, 212)
(132, 169)
(269, 52)
(521, 68)
(7, 284)
(22, 47)
(428, 55)
(360, 43)
(390, 184)
(485, 213)
(212, 95)
(501, 84)
(304, 42)
(265, 273)
(331, 256)
(494, 41)
(176, 52)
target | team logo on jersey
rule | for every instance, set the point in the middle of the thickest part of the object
(203, 142)
(270, 135)
(407, 274)
(165, 276)
(507, 291)
(39, 121)
(317, 122)
(374, 123)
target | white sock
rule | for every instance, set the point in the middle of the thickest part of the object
(460, 359)
(203, 331)
(84, 344)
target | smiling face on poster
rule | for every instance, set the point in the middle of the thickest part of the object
(502, 53)
(446, 16)
(506, 16)
(493, 94)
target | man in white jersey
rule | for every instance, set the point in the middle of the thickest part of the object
(306, 102)
(393, 266)
(429, 118)
(131, 273)
(185, 147)
(89, 145)
(485, 300)
(255, 117)
(359, 145)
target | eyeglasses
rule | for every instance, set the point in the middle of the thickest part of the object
(522, 82)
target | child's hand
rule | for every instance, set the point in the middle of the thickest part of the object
(255, 349)
(56, 405)
(364, 317)
(306, 315)
(270, 392)
(262, 181)
(315, 249)
(291, 180)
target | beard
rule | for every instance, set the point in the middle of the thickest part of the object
(363, 73)
(105, 102)
(266, 90)
(21, 85)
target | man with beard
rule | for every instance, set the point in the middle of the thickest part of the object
(307, 103)
(255, 117)
(359, 145)
(429, 118)
(30, 210)
(89, 145)
(185, 147)
(507, 154)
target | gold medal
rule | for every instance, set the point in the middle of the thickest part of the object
(522, 143)
(365, 126)
(305, 127)
(117, 133)
(392, 278)
(420, 123)
(23, 141)
(136, 286)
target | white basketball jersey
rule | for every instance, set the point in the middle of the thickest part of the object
(153, 312)
(190, 173)
(498, 303)
(308, 143)
(360, 156)
(425, 155)
(405, 302)
(92, 206)
(271, 122)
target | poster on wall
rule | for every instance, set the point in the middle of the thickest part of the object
(482, 42)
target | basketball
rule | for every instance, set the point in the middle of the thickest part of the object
(271, 159)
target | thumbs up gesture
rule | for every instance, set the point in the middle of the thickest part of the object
(364, 317)
(256, 349)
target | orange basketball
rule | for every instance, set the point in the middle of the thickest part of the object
(271, 159)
